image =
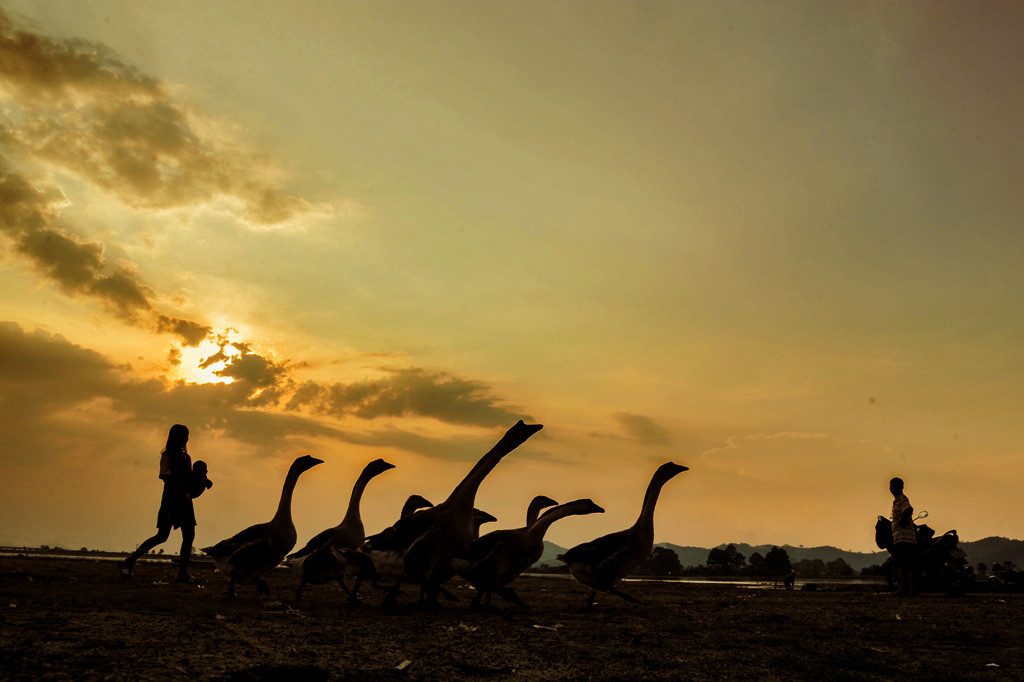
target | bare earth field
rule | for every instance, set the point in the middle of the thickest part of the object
(77, 619)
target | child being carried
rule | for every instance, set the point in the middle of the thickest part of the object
(198, 481)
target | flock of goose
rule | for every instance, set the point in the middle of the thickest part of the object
(429, 544)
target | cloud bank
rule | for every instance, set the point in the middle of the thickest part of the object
(75, 114)
(83, 110)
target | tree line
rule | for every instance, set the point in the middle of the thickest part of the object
(729, 561)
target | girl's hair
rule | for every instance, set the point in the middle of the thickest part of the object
(176, 439)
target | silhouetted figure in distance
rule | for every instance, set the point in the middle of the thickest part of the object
(904, 539)
(176, 511)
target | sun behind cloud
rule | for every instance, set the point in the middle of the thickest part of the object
(202, 364)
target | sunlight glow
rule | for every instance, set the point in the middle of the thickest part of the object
(193, 359)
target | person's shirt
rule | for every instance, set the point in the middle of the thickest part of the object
(902, 531)
(176, 466)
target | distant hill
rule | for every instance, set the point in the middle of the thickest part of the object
(994, 550)
(551, 550)
(988, 550)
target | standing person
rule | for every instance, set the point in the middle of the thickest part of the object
(175, 505)
(904, 539)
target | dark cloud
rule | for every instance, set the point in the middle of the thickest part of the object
(410, 392)
(41, 69)
(247, 366)
(29, 218)
(77, 106)
(81, 108)
(642, 429)
(191, 333)
(45, 380)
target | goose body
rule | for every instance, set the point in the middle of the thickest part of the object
(246, 556)
(480, 547)
(601, 563)
(420, 547)
(321, 559)
(491, 563)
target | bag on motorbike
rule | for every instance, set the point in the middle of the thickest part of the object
(883, 533)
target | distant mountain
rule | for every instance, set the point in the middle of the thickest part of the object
(551, 550)
(988, 551)
(994, 550)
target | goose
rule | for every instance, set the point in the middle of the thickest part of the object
(357, 560)
(414, 503)
(320, 560)
(536, 504)
(480, 517)
(419, 548)
(491, 563)
(247, 556)
(601, 563)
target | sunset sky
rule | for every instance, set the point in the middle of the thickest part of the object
(780, 243)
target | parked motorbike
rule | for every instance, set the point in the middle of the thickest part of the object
(940, 564)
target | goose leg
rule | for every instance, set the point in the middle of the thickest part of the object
(629, 598)
(298, 590)
(353, 595)
(344, 588)
(590, 601)
(262, 588)
(231, 590)
(428, 597)
(510, 595)
(391, 598)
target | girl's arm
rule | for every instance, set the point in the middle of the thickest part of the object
(170, 482)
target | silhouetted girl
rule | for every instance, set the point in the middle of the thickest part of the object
(175, 505)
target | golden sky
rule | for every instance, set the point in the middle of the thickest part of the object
(779, 243)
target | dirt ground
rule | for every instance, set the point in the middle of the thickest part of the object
(77, 619)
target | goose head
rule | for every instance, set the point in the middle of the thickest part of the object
(668, 470)
(588, 506)
(378, 466)
(413, 503)
(481, 517)
(304, 463)
(536, 504)
(542, 501)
